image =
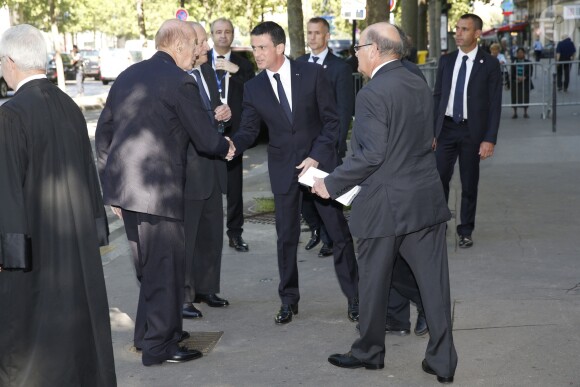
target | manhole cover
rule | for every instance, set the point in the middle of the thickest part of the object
(270, 218)
(204, 342)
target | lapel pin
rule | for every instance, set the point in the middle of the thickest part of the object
(324, 66)
(481, 61)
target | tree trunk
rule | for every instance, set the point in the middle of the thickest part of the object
(57, 46)
(296, 28)
(409, 15)
(141, 20)
(434, 28)
(377, 11)
(421, 40)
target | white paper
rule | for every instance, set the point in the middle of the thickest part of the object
(308, 180)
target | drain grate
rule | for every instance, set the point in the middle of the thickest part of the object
(270, 218)
(204, 342)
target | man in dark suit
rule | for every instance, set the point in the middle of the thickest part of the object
(204, 226)
(339, 75)
(467, 112)
(400, 208)
(292, 99)
(231, 72)
(152, 112)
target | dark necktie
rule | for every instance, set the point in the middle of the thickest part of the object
(282, 97)
(202, 93)
(315, 59)
(459, 86)
(221, 76)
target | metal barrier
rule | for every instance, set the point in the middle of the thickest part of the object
(358, 82)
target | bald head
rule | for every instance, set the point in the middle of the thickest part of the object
(172, 33)
(387, 39)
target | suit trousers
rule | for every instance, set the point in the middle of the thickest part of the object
(157, 246)
(310, 215)
(403, 288)
(288, 208)
(563, 71)
(235, 211)
(455, 142)
(426, 253)
(204, 229)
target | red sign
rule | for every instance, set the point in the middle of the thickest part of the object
(181, 14)
(392, 5)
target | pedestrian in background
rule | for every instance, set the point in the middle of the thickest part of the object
(521, 78)
(54, 315)
(538, 49)
(79, 65)
(565, 51)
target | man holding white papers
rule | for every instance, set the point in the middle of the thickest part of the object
(400, 208)
(290, 98)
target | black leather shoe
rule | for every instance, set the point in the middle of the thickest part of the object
(465, 241)
(314, 240)
(211, 300)
(184, 335)
(325, 250)
(284, 315)
(184, 354)
(239, 244)
(421, 325)
(347, 360)
(440, 379)
(397, 331)
(190, 311)
(352, 311)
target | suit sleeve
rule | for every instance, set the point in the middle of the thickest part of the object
(197, 123)
(249, 123)
(345, 102)
(369, 145)
(437, 91)
(326, 140)
(494, 99)
(104, 136)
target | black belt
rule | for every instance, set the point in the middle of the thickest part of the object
(462, 122)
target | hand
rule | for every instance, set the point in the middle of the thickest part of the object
(434, 145)
(117, 211)
(305, 164)
(319, 188)
(231, 151)
(223, 113)
(222, 64)
(486, 150)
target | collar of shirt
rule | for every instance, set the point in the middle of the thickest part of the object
(321, 56)
(285, 77)
(28, 79)
(198, 68)
(381, 66)
(227, 57)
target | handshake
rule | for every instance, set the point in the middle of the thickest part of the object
(231, 151)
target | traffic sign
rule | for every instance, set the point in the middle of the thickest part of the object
(181, 14)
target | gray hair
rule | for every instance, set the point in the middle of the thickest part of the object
(26, 46)
(385, 45)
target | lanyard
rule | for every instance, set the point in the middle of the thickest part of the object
(218, 79)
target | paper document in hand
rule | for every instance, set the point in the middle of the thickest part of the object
(311, 173)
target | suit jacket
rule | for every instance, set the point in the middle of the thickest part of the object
(484, 90)
(312, 133)
(339, 75)
(152, 112)
(203, 169)
(392, 159)
(236, 88)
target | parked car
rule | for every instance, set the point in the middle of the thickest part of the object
(548, 50)
(3, 86)
(247, 53)
(340, 47)
(91, 62)
(114, 61)
(67, 63)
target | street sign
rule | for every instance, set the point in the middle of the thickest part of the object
(353, 9)
(181, 14)
(392, 5)
(571, 12)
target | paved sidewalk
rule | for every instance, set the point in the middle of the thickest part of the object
(515, 294)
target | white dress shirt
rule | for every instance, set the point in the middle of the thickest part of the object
(321, 56)
(28, 79)
(285, 77)
(469, 65)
